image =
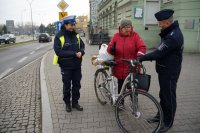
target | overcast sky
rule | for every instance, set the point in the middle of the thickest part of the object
(44, 11)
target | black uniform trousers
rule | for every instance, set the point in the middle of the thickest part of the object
(167, 96)
(71, 84)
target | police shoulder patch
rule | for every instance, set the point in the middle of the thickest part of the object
(162, 46)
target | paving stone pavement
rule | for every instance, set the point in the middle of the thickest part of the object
(20, 101)
(100, 119)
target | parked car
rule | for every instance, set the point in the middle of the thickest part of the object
(44, 37)
(7, 38)
(37, 35)
(81, 32)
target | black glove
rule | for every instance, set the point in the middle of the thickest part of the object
(140, 58)
(113, 48)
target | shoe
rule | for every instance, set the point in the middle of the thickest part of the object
(165, 128)
(154, 119)
(77, 106)
(68, 108)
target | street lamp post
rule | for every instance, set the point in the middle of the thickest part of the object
(30, 3)
(22, 31)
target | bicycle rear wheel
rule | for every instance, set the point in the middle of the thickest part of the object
(137, 121)
(101, 86)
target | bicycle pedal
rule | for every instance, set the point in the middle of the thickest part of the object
(137, 115)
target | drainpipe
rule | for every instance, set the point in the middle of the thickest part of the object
(198, 32)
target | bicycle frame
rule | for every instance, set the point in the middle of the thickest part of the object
(110, 80)
(130, 98)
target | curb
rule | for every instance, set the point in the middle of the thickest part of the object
(47, 125)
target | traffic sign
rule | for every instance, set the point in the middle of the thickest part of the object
(62, 15)
(62, 5)
(58, 25)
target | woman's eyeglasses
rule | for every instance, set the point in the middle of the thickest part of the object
(127, 27)
(72, 24)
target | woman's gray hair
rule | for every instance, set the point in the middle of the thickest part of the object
(125, 22)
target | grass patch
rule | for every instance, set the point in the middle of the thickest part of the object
(15, 44)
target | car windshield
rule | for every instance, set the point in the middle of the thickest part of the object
(43, 34)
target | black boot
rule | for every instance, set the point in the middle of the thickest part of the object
(165, 127)
(68, 107)
(77, 106)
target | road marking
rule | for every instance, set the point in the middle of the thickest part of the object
(38, 47)
(5, 72)
(32, 52)
(22, 59)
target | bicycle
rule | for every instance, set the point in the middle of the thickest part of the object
(133, 106)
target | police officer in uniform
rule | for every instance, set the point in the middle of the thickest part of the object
(168, 58)
(70, 48)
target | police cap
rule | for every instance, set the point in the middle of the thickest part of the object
(69, 19)
(164, 14)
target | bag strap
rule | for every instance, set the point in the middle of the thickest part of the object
(143, 68)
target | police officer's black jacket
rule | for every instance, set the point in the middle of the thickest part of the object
(67, 54)
(168, 55)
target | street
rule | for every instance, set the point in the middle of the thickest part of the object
(21, 105)
(32, 87)
(15, 57)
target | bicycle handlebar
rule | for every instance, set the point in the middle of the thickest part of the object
(132, 62)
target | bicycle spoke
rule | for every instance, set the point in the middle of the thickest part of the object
(100, 85)
(133, 118)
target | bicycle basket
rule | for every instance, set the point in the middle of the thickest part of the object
(142, 81)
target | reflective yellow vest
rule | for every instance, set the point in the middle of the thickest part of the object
(62, 40)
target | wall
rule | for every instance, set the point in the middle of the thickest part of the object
(187, 10)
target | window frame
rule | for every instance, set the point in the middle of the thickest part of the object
(145, 7)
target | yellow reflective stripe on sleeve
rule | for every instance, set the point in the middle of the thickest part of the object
(79, 40)
(62, 40)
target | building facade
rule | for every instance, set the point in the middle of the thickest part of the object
(94, 14)
(10, 26)
(82, 23)
(141, 12)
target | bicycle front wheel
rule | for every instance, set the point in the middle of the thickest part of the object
(133, 115)
(101, 86)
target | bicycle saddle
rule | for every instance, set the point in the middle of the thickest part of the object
(110, 63)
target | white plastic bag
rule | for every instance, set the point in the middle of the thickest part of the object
(103, 54)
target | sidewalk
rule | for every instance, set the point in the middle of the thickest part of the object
(20, 100)
(100, 119)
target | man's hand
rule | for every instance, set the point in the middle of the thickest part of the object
(139, 58)
(79, 54)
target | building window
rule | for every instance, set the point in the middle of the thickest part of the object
(166, 1)
(151, 7)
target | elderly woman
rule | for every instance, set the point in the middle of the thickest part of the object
(125, 44)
